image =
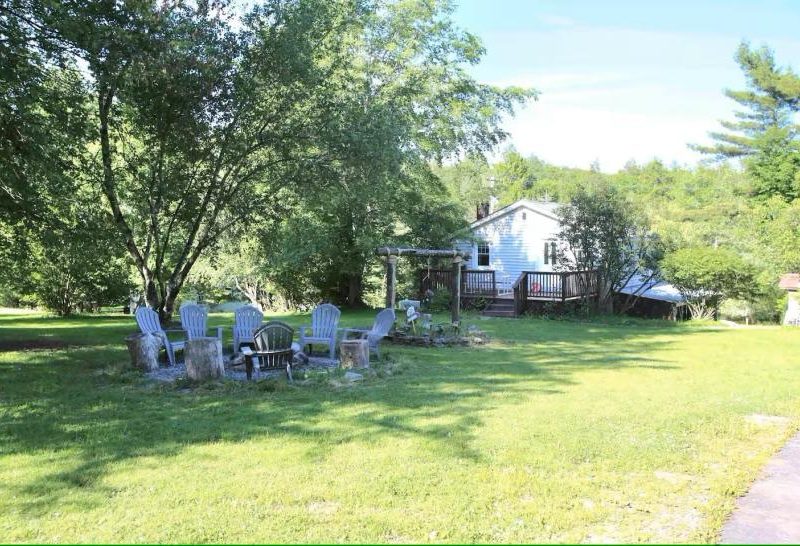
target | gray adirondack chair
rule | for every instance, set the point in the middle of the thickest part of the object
(380, 329)
(194, 320)
(246, 320)
(148, 322)
(324, 324)
(273, 349)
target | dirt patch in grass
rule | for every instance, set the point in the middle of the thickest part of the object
(7, 345)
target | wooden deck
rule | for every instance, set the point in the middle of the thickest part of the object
(507, 298)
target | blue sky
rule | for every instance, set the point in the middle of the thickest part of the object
(622, 80)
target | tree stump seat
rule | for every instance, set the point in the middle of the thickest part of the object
(203, 356)
(143, 349)
(354, 353)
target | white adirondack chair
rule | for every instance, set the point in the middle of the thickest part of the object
(148, 322)
(194, 320)
(246, 320)
(324, 323)
(380, 329)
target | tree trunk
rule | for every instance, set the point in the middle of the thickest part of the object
(355, 290)
(605, 302)
(203, 358)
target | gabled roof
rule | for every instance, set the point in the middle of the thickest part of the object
(545, 208)
(790, 281)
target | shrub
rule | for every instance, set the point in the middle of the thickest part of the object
(706, 276)
(440, 301)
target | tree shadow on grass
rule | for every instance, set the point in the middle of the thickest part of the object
(64, 402)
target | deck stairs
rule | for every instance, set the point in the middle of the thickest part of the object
(499, 307)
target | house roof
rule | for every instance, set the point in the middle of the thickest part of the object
(790, 281)
(545, 208)
(654, 289)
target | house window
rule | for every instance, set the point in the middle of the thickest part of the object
(524, 215)
(483, 254)
(550, 252)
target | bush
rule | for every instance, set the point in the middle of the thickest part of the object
(706, 276)
(440, 301)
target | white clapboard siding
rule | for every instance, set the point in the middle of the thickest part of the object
(516, 236)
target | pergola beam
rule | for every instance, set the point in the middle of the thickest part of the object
(425, 252)
(458, 256)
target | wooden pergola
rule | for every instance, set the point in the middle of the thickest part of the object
(392, 253)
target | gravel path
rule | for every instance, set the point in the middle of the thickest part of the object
(770, 512)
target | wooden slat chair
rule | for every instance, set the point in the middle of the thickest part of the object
(246, 320)
(324, 324)
(194, 320)
(380, 329)
(273, 349)
(148, 322)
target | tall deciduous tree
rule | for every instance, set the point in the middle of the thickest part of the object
(600, 230)
(200, 121)
(403, 101)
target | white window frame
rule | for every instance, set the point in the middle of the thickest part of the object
(478, 254)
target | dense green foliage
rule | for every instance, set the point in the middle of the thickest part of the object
(602, 231)
(706, 276)
(307, 125)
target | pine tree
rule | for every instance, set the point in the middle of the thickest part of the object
(764, 133)
(769, 104)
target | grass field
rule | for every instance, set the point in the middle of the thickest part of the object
(556, 431)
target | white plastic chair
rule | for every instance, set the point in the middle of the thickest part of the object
(148, 322)
(380, 329)
(194, 320)
(324, 324)
(246, 320)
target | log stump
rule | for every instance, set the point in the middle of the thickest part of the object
(203, 356)
(354, 353)
(143, 349)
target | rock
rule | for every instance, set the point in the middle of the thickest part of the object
(767, 420)
(353, 376)
(236, 360)
(299, 358)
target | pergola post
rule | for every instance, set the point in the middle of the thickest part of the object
(391, 293)
(392, 253)
(455, 307)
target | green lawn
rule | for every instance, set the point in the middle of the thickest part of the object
(556, 431)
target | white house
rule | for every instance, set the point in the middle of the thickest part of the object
(523, 237)
(516, 238)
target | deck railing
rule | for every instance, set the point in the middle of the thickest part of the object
(474, 282)
(530, 285)
(555, 286)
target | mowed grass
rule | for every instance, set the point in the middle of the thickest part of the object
(556, 431)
